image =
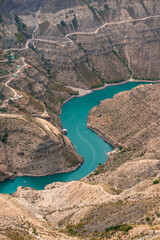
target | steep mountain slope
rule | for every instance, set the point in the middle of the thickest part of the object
(130, 121)
(79, 210)
(73, 43)
(83, 43)
(120, 200)
(33, 146)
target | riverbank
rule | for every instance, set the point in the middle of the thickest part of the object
(106, 139)
(87, 144)
(117, 192)
(83, 92)
(130, 122)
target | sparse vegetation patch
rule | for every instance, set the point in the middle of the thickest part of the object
(123, 227)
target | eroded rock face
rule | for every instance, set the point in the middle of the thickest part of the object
(81, 210)
(34, 147)
(127, 45)
(80, 44)
(130, 121)
(123, 194)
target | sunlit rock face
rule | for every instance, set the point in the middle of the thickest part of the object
(128, 45)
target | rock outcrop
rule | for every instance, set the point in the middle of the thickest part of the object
(34, 147)
(80, 44)
(61, 43)
(86, 43)
(130, 121)
(121, 202)
(81, 210)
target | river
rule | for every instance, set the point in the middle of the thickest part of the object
(87, 143)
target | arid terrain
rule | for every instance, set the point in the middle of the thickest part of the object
(51, 51)
(31, 143)
(47, 46)
(119, 200)
(130, 122)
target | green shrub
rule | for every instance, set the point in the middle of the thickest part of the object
(10, 101)
(148, 219)
(4, 137)
(75, 22)
(4, 110)
(71, 231)
(2, 96)
(106, 7)
(123, 227)
(126, 228)
(156, 181)
(96, 172)
(63, 24)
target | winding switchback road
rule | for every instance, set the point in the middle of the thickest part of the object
(76, 33)
(10, 79)
(62, 43)
(44, 114)
(110, 24)
(15, 95)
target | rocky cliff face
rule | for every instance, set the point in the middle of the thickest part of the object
(79, 44)
(33, 146)
(90, 42)
(121, 202)
(130, 121)
(81, 210)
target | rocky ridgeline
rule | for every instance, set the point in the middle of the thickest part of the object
(78, 44)
(111, 41)
(120, 200)
(127, 45)
(130, 122)
(34, 147)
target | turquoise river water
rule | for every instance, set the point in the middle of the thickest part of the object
(87, 143)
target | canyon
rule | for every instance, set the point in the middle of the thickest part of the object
(50, 50)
